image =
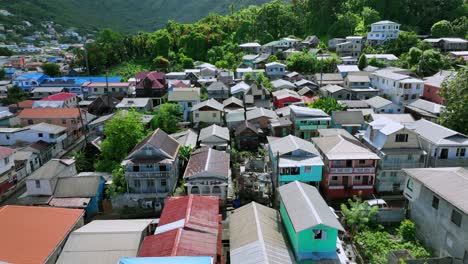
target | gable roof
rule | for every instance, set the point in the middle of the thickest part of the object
(307, 111)
(211, 103)
(59, 97)
(186, 138)
(48, 128)
(347, 118)
(451, 184)
(233, 100)
(280, 83)
(52, 169)
(133, 102)
(378, 102)
(49, 113)
(208, 162)
(289, 144)
(184, 94)
(31, 234)
(256, 236)
(77, 187)
(261, 112)
(306, 207)
(159, 140)
(341, 148)
(332, 88)
(386, 126)
(285, 93)
(244, 126)
(240, 87)
(214, 130)
(217, 86)
(427, 106)
(438, 134)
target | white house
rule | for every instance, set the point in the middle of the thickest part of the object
(186, 98)
(42, 182)
(351, 47)
(382, 31)
(209, 111)
(382, 105)
(275, 69)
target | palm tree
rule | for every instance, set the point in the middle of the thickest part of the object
(184, 154)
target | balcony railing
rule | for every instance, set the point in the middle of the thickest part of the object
(353, 170)
(400, 164)
(311, 127)
(148, 190)
(154, 174)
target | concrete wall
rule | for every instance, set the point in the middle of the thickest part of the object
(210, 117)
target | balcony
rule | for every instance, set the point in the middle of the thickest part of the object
(352, 170)
(148, 190)
(400, 164)
(311, 127)
(152, 175)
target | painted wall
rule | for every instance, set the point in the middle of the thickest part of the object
(211, 117)
(315, 175)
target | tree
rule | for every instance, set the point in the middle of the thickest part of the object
(186, 62)
(81, 161)
(5, 52)
(376, 63)
(119, 184)
(184, 153)
(15, 95)
(370, 15)
(272, 58)
(455, 94)
(51, 69)
(460, 27)
(442, 28)
(362, 63)
(358, 214)
(327, 104)
(248, 77)
(407, 230)
(161, 63)
(167, 116)
(121, 134)
(431, 61)
(261, 79)
(2, 73)
(222, 64)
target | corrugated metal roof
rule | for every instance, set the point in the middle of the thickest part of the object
(53, 168)
(347, 118)
(291, 143)
(211, 103)
(186, 138)
(257, 236)
(427, 106)
(378, 102)
(343, 148)
(214, 130)
(48, 128)
(208, 162)
(261, 112)
(168, 260)
(438, 134)
(77, 187)
(184, 94)
(306, 207)
(161, 141)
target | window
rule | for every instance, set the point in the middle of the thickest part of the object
(357, 178)
(215, 114)
(136, 183)
(461, 152)
(40, 135)
(307, 169)
(413, 96)
(319, 234)
(163, 183)
(7, 137)
(150, 183)
(113, 89)
(401, 138)
(334, 178)
(64, 121)
(456, 217)
(162, 168)
(38, 184)
(435, 202)
(6, 160)
(30, 122)
(362, 162)
(197, 115)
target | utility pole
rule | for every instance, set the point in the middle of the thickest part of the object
(86, 56)
(107, 89)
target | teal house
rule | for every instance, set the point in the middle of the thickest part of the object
(294, 159)
(311, 226)
(307, 120)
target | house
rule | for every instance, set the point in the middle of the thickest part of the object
(312, 228)
(186, 98)
(73, 119)
(323, 79)
(51, 226)
(280, 127)
(214, 136)
(256, 236)
(335, 91)
(309, 42)
(382, 31)
(344, 69)
(139, 104)
(251, 47)
(79, 192)
(27, 81)
(234, 118)
(275, 69)
(209, 112)
(433, 84)
(41, 92)
(241, 72)
(398, 147)
(217, 90)
(179, 76)
(232, 104)
(351, 121)
(350, 167)
(382, 105)
(251, 94)
(303, 83)
(437, 205)
(280, 45)
(351, 47)
(307, 120)
(285, 97)
(226, 76)
(247, 136)
(307, 92)
(332, 43)
(155, 80)
(188, 226)
(385, 58)
(8, 176)
(292, 76)
(168, 260)
(281, 84)
(73, 84)
(116, 89)
(152, 168)
(59, 100)
(447, 44)
(260, 117)
(444, 147)
(292, 158)
(424, 109)
(104, 104)
(400, 88)
(358, 84)
(25, 163)
(208, 73)
(186, 138)
(7, 118)
(208, 173)
(106, 241)
(43, 181)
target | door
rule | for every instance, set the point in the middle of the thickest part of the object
(365, 180)
(444, 153)
(346, 181)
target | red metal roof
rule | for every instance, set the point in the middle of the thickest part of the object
(58, 97)
(156, 78)
(199, 212)
(5, 152)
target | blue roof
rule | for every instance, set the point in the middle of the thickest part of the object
(11, 70)
(35, 76)
(168, 260)
(83, 79)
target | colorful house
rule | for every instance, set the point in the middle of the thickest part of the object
(310, 224)
(7, 169)
(294, 159)
(285, 97)
(27, 81)
(349, 166)
(307, 120)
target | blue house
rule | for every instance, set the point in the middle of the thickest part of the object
(294, 159)
(83, 192)
(27, 81)
(73, 84)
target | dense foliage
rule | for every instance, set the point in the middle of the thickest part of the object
(455, 94)
(166, 117)
(15, 95)
(357, 214)
(51, 69)
(327, 104)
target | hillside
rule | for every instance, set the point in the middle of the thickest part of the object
(127, 16)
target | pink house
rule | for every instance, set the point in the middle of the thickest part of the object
(432, 86)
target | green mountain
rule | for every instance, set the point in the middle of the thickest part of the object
(127, 16)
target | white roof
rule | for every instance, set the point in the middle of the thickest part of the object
(240, 87)
(378, 102)
(347, 68)
(385, 22)
(214, 130)
(133, 102)
(212, 103)
(427, 106)
(184, 94)
(250, 45)
(307, 111)
(283, 93)
(261, 112)
(389, 57)
(275, 64)
(282, 83)
(291, 143)
(342, 148)
(438, 134)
